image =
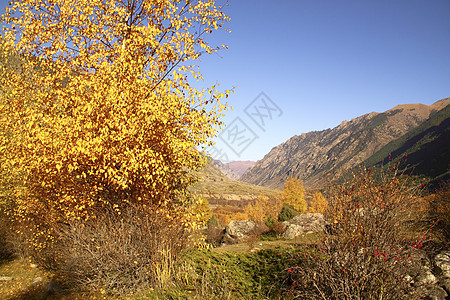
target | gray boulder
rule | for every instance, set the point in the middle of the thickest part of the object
(426, 278)
(436, 293)
(442, 262)
(304, 223)
(435, 282)
(237, 231)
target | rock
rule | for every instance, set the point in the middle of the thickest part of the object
(37, 280)
(237, 231)
(33, 266)
(442, 263)
(426, 278)
(304, 223)
(445, 283)
(409, 279)
(292, 231)
(436, 293)
(6, 278)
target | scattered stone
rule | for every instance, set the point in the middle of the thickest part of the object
(442, 262)
(409, 279)
(426, 278)
(436, 293)
(6, 278)
(445, 283)
(33, 266)
(37, 280)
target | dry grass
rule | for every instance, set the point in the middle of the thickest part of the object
(28, 282)
(121, 253)
(221, 190)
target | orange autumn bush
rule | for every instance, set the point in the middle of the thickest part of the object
(226, 213)
(264, 207)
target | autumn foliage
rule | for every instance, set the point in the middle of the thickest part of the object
(293, 194)
(318, 203)
(102, 113)
(264, 207)
(226, 213)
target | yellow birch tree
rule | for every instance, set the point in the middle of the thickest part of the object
(102, 110)
(293, 194)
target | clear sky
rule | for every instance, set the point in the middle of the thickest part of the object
(320, 62)
(323, 62)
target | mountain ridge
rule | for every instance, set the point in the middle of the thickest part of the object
(425, 150)
(312, 155)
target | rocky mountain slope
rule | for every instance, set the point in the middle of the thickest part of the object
(424, 150)
(313, 155)
(235, 169)
(228, 172)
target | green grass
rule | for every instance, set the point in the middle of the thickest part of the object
(237, 275)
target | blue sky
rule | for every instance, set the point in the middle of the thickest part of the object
(323, 62)
(320, 62)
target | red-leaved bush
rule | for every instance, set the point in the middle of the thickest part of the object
(366, 252)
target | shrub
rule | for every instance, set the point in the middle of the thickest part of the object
(255, 235)
(439, 213)
(270, 222)
(119, 252)
(287, 213)
(278, 228)
(212, 222)
(99, 143)
(214, 234)
(368, 257)
(275, 229)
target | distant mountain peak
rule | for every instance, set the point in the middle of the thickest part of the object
(438, 105)
(239, 167)
(235, 169)
(225, 169)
